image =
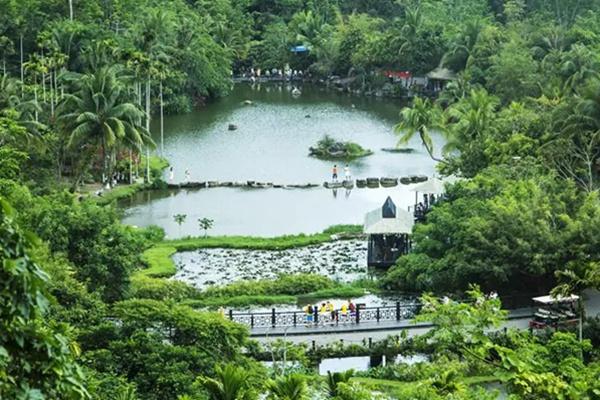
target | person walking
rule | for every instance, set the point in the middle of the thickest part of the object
(347, 176)
(171, 174)
(352, 309)
(334, 175)
(344, 312)
(187, 176)
(323, 313)
(308, 310)
(331, 312)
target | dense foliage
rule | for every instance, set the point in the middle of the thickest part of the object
(80, 83)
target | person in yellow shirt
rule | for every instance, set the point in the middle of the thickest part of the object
(344, 312)
(323, 313)
(331, 311)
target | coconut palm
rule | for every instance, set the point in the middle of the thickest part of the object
(99, 115)
(420, 119)
(21, 111)
(584, 113)
(289, 387)
(153, 35)
(460, 54)
(231, 383)
(471, 116)
(7, 48)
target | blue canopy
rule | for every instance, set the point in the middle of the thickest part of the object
(299, 49)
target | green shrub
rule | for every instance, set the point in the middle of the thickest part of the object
(239, 301)
(284, 285)
(145, 287)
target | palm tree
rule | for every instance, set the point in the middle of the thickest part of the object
(231, 383)
(154, 35)
(7, 48)
(289, 387)
(100, 116)
(129, 393)
(460, 54)
(584, 113)
(472, 116)
(21, 111)
(334, 379)
(575, 279)
(420, 118)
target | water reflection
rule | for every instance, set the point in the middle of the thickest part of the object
(271, 145)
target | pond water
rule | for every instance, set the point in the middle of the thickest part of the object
(271, 144)
(360, 364)
(342, 260)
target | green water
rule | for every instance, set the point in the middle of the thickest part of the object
(271, 144)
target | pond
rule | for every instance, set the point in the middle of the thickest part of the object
(342, 260)
(361, 364)
(271, 144)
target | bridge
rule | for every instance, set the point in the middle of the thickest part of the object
(281, 321)
(369, 323)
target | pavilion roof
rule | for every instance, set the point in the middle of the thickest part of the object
(432, 185)
(401, 222)
(442, 74)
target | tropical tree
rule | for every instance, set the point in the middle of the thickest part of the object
(100, 116)
(461, 48)
(333, 381)
(179, 219)
(7, 48)
(36, 358)
(231, 383)
(420, 119)
(288, 387)
(471, 122)
(205, 224)
(154, 35)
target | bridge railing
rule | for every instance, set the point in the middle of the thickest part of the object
(274, 318)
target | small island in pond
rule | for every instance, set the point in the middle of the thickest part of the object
(330, 149)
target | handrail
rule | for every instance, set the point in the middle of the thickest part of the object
(397, 312)
(302, 311)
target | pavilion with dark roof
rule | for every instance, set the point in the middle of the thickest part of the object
(389, 230)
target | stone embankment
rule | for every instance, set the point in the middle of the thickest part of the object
(359, 183)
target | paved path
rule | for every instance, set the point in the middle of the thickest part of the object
(350, 333)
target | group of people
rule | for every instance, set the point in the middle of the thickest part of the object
(327, 313)
(347, 175)
(286, 73)
(187, 179)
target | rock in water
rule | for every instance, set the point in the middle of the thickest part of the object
(232, 127)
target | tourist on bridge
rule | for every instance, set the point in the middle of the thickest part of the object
(347, 176)
(331, 311)
(323, 313)
(334, 175)
(171, 175)
(187, 176)
(309, 311)
(352, 309)
(344, 312)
